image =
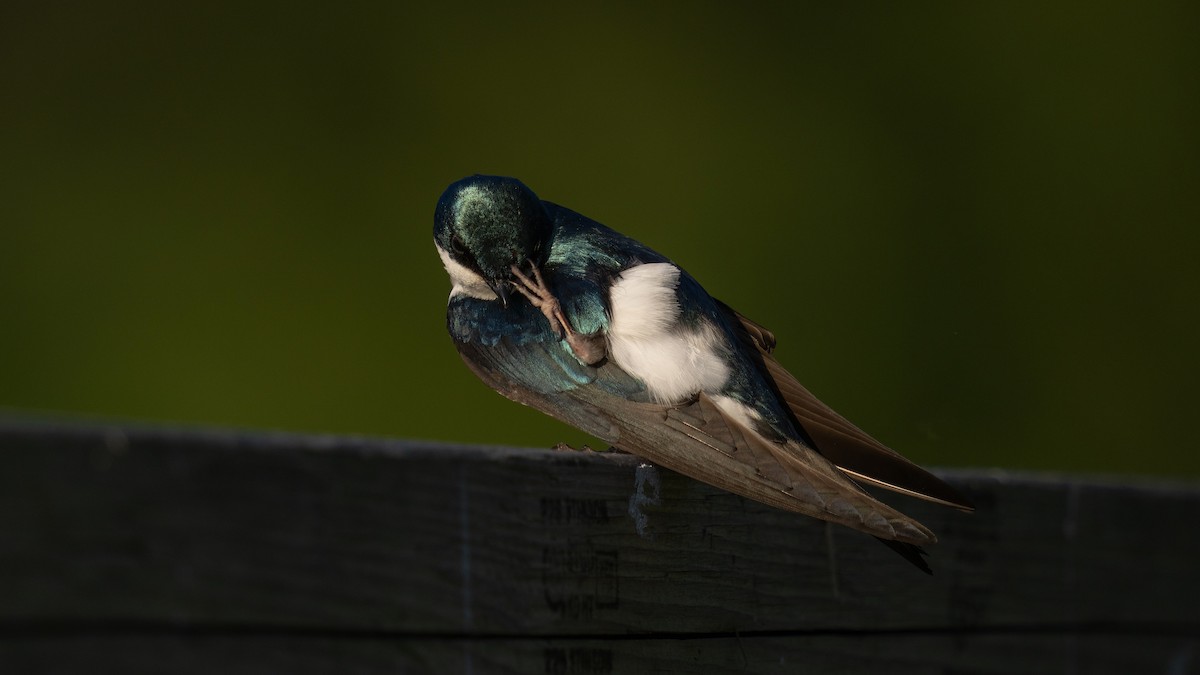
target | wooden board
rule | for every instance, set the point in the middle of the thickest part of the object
(126, 549)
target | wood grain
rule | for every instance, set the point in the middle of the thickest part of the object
(201, 550)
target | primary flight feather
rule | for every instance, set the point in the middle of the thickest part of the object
(559, 312)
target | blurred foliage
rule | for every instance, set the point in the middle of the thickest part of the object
(973, 226)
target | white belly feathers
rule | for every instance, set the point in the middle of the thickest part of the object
(647, 341)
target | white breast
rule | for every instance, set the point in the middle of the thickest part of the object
(647, 341)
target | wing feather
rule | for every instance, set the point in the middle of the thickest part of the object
(699, 440)
(851, 449)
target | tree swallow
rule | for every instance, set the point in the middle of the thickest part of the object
(556, 311)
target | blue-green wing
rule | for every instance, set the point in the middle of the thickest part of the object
(514, 352)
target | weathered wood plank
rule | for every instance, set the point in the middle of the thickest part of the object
(899, 654)
(393, 554)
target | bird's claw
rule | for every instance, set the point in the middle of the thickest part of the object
(539, 295)
(566, 447)
(590, 349)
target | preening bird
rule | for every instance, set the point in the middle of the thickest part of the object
(556, 311)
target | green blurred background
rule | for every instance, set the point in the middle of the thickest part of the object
(973, 226)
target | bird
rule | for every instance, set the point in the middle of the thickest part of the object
(558, 312)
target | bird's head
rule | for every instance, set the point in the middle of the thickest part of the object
(483, 226)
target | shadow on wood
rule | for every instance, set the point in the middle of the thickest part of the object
(128, 550)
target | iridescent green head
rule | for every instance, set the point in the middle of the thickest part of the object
(487, 224)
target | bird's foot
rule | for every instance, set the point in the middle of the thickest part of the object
(539, 296)
(612, 449)
(590, 349)
(568, 448)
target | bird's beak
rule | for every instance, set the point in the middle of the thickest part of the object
(502, 289)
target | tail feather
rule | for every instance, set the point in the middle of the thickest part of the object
(910, 552)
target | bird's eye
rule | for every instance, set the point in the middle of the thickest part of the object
(457, 245)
